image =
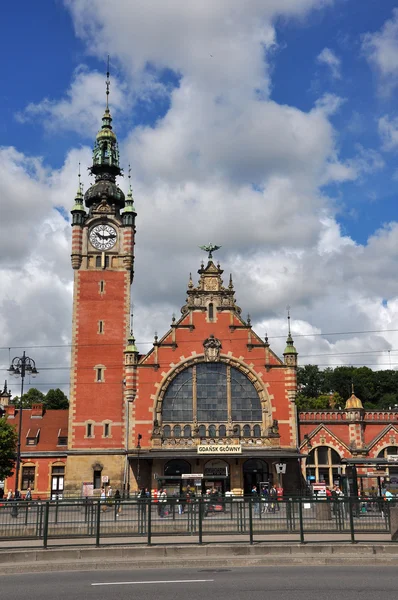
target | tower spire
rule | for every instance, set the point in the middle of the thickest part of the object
(108, 82)
(105, 165)
(290, 349)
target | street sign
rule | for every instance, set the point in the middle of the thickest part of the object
(280, 468)
(393, 458)
(192, 476)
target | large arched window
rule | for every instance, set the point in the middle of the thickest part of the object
(323, 464)
(211, 393)
(392, 469)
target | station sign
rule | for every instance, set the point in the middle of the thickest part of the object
(392, 458)
(219, 449)
(192, 476)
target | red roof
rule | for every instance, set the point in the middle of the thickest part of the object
(46, 428)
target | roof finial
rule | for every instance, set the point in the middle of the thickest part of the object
(230, 285)
(210, 248)
(288, 319)
(107, 85)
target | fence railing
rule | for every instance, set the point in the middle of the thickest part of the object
(251, 518)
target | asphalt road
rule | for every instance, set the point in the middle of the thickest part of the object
(284, 583)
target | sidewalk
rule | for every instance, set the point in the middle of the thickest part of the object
(185, 552)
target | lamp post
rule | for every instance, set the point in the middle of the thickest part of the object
(138, 460)
(21, 365)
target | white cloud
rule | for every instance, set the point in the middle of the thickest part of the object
(328, 57)
(388, 131)
(381, 50)
(81, 109)
(225, 163)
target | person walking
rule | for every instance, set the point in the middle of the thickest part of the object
(163, 503)
(254, 494)
(273, 495)
(118, 508)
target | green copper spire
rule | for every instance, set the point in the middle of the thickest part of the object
(290, 349)
(129, 199)
(105, 165)
(78, 211)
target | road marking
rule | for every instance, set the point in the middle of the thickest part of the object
(166, 581)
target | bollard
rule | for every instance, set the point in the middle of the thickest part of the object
(98, 524)
(251, 521)
(46, 519)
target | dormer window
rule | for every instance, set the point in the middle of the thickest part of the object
(32, 436)
(62, 437)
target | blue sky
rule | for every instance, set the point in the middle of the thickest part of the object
(269, 127)
(43, 51)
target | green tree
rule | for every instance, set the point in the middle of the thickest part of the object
(32, 396)
(8, 445)
(56, 399)
(311, 381)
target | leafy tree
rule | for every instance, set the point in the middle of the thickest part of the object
(311, 381)
(8, 445)
(32, 396)
(56, 399)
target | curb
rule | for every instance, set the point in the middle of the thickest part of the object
(198, 557)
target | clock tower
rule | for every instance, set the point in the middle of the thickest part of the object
(103, 232)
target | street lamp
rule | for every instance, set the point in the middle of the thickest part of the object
(138, 460)
(19, 367)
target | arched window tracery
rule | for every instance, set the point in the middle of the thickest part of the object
(211, 393)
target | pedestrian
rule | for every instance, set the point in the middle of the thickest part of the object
(103, 500)
(264, 494)
(9, 495)
(28, 495)
(254, 494)
(273, 495)
(162, 503)
(118, 508)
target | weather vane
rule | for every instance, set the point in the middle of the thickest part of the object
(210, 248)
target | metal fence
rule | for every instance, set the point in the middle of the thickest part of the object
(145, 519)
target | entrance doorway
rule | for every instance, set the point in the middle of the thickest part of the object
(216, 476)
(255, 471)
(172, 482)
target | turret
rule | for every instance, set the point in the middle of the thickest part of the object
(290, 353)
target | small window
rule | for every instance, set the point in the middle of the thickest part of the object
(99, 374)
(106, 262)
(202, 431)
(62, 441)
(106, 429)
(211, 311)
(212, 431)
(166, 431)
(100, 327)
(257, 431)
(31, 441)
(246, 431)
(89, 430)
(101, 287)
(97, 480)
(28, 478)
(187, 431)
(222, 431)
(177, 431)
(58, 470)
(98, 261)
(236, 430)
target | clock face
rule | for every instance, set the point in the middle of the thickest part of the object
(103, 237)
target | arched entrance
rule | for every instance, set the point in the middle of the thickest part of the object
(172, 473)
(255, 471)
(216, 475)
